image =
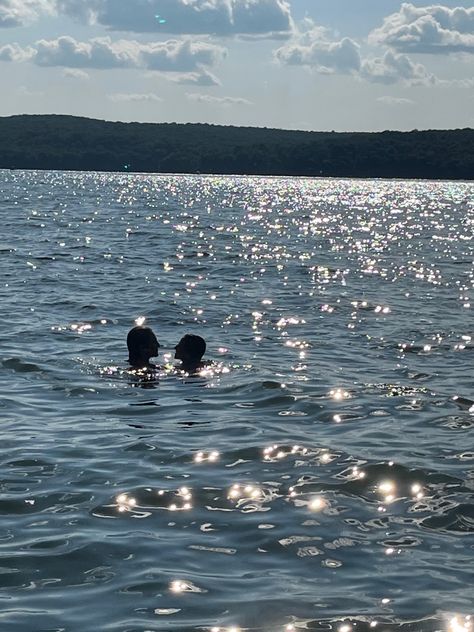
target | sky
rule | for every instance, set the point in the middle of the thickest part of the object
(343, 65)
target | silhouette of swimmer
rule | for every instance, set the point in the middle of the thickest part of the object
(190, 350)
(142, 345)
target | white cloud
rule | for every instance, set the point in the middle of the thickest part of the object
(253, 17)
(392, 68)
(431, 29)
(133, 97)
(201, 78)
(216, 17)
(181, 56)
(97, 53)
(14, 52)
(387, 100)
(225, 101)
(102, 53)
(315, 50)
(456, 83)
(14, 13)
(75, 73)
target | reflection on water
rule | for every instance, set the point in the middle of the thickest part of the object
(318, 475)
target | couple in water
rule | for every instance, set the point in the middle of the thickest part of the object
(143, 345)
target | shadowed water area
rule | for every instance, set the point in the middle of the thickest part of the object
(320, 476)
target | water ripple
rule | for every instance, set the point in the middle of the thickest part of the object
(318, 477)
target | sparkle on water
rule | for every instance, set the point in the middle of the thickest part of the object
(317, 475)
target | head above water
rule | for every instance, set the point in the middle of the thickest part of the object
(142, 345)
(190, 349)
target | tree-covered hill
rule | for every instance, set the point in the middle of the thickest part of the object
(68, 142)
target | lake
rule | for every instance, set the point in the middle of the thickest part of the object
(319, 476)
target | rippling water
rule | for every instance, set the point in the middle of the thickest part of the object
(320, 477)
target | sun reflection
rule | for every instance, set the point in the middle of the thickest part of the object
(318, 504)
(417, 490)
(140, 321)
(458, 623)
(170, 500)
(387, 489)
(81, 327)
(339, 393)
(300, 344)
(275, 452)
(177, 586)
(185, 495)
(238, 492)
(283, 322)
(212, 457)
(125, 503)
(358, 473)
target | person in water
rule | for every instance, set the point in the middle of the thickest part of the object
(142, 345)
(190, 350)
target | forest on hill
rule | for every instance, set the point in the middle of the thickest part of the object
(75, 143)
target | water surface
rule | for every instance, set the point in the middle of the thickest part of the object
(321, 478)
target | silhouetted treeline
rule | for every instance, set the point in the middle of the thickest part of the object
(68, 142)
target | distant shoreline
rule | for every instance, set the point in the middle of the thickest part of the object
(68, 143)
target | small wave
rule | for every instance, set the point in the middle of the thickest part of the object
(20, 366)
(458, 519)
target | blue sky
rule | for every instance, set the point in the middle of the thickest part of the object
(298, 64)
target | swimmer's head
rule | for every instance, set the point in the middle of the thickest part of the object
(190, 349)
(142, 345)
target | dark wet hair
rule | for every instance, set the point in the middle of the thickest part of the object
(195, 346)
(137, 338)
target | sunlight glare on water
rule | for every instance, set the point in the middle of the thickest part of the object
(317, 476)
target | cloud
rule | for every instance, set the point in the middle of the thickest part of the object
(98, 53)
(456, 83)
(181, 56)
(315, 50)
(14, 13)
(14, 52)
(201, 78)
(134, 97)
(24, 91)
(217, 17)
(432, 29)
(224, 101)
(395, 101)
(102, 53)
(75, 73)
(392, 68)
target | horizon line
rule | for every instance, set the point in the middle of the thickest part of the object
(256, 127)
